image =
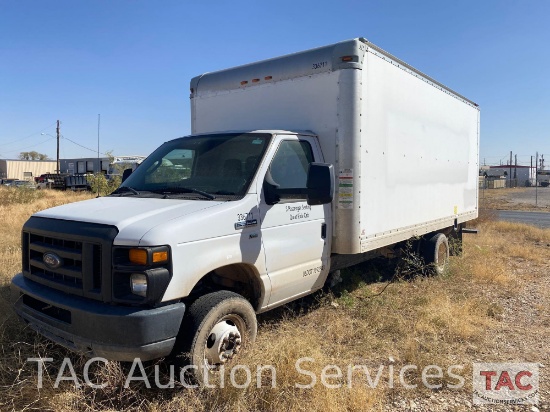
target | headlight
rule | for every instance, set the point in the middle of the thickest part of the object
(138, 284)
(140, 274)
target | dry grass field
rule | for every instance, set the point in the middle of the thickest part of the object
(492, 306)
(520, 198)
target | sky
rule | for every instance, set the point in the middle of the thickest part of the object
(125, 65)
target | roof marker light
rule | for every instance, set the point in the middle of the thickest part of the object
(347, 58)
(255, 80)
(244, 82)
(268, 77)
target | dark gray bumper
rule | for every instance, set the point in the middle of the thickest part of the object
(95, 328)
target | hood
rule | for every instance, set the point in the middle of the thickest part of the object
(127, 211)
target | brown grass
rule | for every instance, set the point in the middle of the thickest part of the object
(421, 321)
(16, 206)
(520, 198)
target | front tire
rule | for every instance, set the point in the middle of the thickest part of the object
(217, 327)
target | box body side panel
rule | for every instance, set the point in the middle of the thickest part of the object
(419, 155)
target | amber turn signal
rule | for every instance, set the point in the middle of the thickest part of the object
(138, 256)
(159, 257)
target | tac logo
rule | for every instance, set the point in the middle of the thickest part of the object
(506, 383)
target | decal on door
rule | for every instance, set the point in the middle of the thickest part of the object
(296, 212)
(313, 271)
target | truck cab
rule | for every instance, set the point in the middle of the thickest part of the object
(239, 212)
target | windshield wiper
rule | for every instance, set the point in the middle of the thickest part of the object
(126, 189)
(174, 190)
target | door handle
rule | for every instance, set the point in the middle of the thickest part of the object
(324, 231)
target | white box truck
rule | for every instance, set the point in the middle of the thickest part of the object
(296, 167)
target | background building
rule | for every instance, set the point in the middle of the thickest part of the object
(25, 169)
(516, 176)
(84, 165)
(509, 176)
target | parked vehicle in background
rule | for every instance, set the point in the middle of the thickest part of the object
(7, 182)
(63, 181)
(543, 177)
(294, 170)
(26, 184)
(44, 183)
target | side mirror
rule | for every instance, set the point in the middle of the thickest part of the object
(271, 190)
(320, 184)
(126, 174)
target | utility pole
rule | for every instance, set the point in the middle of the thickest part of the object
(98, 159)
(531, 170)
(537, 181)
(510, 174)
(57, 129)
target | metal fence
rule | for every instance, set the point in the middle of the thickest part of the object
(485, 183)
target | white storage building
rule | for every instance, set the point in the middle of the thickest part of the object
(25, 169)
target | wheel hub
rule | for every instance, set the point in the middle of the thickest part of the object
(223, 343)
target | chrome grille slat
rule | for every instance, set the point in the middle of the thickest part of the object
(61, 251)
(70, 271)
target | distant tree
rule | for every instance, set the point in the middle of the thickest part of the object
(33, 156)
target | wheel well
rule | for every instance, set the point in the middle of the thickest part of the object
(239, 278)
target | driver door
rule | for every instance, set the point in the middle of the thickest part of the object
(295, 235)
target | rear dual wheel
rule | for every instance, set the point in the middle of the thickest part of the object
(436, 254)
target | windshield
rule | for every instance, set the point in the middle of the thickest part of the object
(207, 167)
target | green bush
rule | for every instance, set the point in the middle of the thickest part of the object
(101, 185)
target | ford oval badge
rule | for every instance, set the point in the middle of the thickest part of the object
(51, 260)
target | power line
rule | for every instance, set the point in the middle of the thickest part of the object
(50, 139)
(26, 137)
(28, 147)
(84, 147)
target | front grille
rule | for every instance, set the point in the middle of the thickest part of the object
(82, 254)
(72, 270)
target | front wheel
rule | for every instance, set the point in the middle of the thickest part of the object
(218, 326)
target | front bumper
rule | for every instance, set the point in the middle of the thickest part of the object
(94, 328)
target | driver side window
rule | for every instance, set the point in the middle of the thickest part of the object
(290, 164)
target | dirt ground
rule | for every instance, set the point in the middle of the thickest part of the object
(522, 335)
(521, 198)
(524, 332)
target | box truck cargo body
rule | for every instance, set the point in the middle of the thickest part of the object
(404, 147)
(297, 166)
